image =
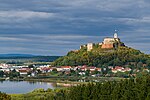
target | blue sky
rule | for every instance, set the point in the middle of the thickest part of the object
(54, 27)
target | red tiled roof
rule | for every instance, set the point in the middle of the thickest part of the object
(23, 71)
(119, 67)
(65, 66)
(46, 68)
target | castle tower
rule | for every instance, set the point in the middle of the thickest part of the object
(115, 35)
(89, 46)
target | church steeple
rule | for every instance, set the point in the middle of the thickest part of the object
(115, 35)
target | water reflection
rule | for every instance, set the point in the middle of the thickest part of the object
(13, 87)
(31, 82)
(1, 81)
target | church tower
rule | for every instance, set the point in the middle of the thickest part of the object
(115, 35)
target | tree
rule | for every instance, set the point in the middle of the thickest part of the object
(54, 70)
(14, 73)
(139, 65)
(1, 73)
(31, 66)
(87, 72)
(4, 96)
(49, 90)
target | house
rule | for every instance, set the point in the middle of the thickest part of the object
(92, 68)
(83, 68)
(46, 69)
(3, 66)
(66, 68)
(23, 72)
(114, 70)
(59, 69)
(99, 69)
(63, 68)
(42, 66)
(120, 69)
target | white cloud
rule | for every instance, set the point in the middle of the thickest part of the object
(25, 14)
(12, 39)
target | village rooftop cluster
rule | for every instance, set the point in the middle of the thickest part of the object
(81, 70)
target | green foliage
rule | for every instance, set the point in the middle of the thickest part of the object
(38, 91)
(31, 66)
(1, 73)
(14, 73)
(128, 89)
(4, 96)
(103, 57)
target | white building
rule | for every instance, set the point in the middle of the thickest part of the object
(89, 46)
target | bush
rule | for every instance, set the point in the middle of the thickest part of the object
(4, 96)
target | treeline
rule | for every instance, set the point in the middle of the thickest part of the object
(21, 60)
(128, 89)
(4, 96)
(103, 57)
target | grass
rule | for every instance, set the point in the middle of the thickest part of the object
(32, 96)
(16, 96)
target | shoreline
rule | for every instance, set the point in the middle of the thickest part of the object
(65, 79)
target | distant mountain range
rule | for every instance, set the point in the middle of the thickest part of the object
(23, 58)
(17, 55)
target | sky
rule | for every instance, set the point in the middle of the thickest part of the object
(54, 27)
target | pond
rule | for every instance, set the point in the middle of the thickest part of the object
(16, 87)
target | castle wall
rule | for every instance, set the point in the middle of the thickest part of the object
(108, 41)
(107, 46)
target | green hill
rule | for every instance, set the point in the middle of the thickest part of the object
(99, 57)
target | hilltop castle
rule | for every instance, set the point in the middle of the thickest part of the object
(108, 43)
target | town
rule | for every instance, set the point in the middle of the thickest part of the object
(10, 71)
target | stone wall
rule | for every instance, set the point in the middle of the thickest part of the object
(107, 46)
(109, 40)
